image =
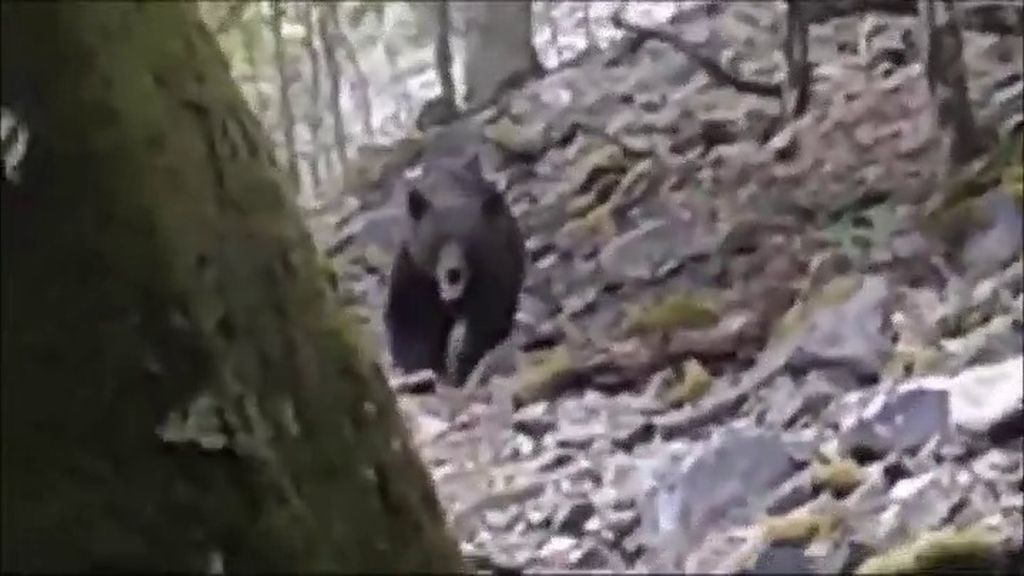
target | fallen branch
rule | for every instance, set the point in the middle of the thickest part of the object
(708, 64)
(614, 56)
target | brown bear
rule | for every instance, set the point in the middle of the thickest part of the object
(462, 258)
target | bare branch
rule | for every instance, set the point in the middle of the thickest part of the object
(713, 69)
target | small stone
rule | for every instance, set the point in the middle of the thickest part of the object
(571, 518)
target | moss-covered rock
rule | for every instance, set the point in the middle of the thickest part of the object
(692, 386)
(840, 476)
(541, 379)
(831, 293)
(799, 527)
(944, 551)
(677, 312)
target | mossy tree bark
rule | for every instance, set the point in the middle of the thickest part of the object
(178, 393)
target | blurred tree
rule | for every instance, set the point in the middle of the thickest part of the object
(552, 22)
(443, 56)
(355, 13)
(947, 78)
(313, 112)
(179, 392)
(588, 26)
(499, 48)
(287, 113)
(328, 22)
(797, 88)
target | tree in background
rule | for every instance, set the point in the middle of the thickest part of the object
(443, 56)
(499, 47)
(287, 113)
(313, 111)
(178, 391)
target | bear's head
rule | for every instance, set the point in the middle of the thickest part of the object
(455, 227)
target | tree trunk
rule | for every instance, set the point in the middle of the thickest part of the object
(588, 26)
(797, 92)
(287, 114)
(499, 47)
(361, 84)
(178, 392)
(327, 21)
(556, 44)
(259, 101)
(443, 56)
(947, 79)
(315, 99)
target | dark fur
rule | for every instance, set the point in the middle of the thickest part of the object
(453, 203)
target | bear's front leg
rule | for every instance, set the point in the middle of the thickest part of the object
(481, 335)
(415, 319)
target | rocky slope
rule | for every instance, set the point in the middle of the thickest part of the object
(741, 347)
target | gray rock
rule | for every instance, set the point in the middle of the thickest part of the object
(534, 419)
(639, 254)
(592, 555)
(782, 559)
(999, 243)
(851, 334)
(621, 523)
(983, 396)
(788, 402)
(631, 430)
(903, 419)
(502, 519)
(382, 228)
(719, 481)
(572, 516)
(577, 436)
(557, 550)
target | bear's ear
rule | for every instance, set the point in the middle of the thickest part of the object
(493, 205)
(416, 204)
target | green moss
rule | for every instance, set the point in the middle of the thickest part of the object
(914, 361)
(514, 138)
(328, 272)
(799, 528)
(954, 213)
(1013, 174)
(1013, 181)
(677, 312)
(604, 158)
(153, 257)
(541, 378)
(695, 383)
(840, 477)
(940, 551)
(596, 222)
(833, 292)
